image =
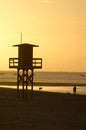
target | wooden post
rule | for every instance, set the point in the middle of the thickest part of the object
(32, 85)
(26, 83)
(18, 83)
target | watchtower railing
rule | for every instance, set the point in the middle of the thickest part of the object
(36, 63)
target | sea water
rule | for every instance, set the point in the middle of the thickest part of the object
(51, 77)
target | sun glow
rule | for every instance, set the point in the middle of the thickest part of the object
(58, 27)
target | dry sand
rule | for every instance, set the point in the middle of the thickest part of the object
(46, 111)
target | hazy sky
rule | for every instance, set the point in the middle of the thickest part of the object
(57, 26)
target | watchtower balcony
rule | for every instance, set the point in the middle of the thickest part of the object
(36, 63)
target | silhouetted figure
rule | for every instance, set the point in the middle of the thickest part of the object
(40, 88)
(74, 89)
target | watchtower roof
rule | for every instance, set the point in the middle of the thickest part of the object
(25, 44)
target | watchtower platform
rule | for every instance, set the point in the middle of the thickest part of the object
(36, 63)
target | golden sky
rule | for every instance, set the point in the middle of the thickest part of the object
(57, 26)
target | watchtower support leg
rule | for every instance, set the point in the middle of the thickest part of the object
(23, 84)
(26, 83)
(18, 82)
(32, 85)
(24, 78)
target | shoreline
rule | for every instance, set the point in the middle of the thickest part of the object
(14, 83)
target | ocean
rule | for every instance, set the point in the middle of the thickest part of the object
(51, 77)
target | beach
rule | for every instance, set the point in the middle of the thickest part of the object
(45, 111)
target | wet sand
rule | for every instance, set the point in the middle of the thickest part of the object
(46, 111)
(14, 83)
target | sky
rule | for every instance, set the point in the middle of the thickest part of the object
(57, 26)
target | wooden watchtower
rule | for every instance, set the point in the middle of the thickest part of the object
(25, 64)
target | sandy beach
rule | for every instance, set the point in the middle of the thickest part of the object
(46, 111)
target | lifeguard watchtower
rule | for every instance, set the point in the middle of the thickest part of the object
(25, 64)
